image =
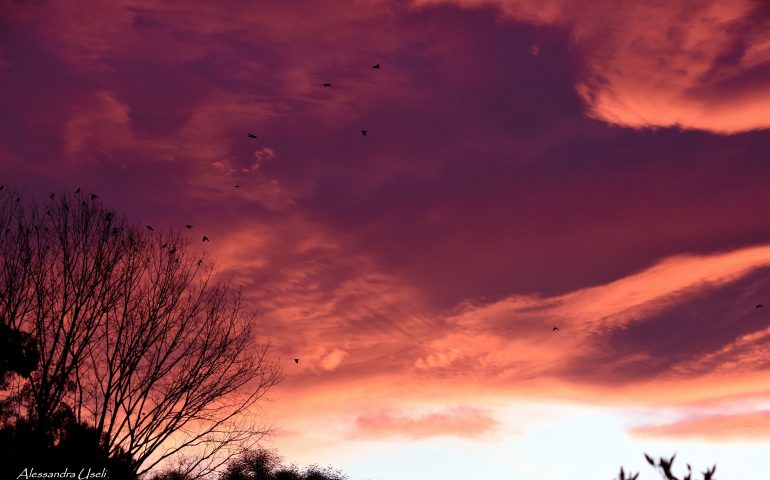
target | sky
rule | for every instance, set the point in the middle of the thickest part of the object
(527, 164)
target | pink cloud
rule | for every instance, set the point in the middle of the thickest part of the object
(99, 124)
(692, 64)
(747, 426)
(513, 337)
(464, 422)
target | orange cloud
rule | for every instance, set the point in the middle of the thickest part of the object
(690, 64)
(333, 359)
(513, 336)
(749, 426)
(462, 422)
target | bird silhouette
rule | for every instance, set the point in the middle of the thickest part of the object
(376, 66)
(51, 195)
(237, 186)
(78, 190)
(94, 196)
(296, 360)
(83, 203)
(364, 132)
(149, 227)
(327, 84)
(200, 261)
(205, 238)
(555, 329)
(18, 199)
(189, 227)
(759, 305)
(251, 135)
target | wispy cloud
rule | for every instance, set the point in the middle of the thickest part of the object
(462, 422)
(747, 426)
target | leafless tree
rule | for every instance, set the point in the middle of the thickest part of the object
(136, 335)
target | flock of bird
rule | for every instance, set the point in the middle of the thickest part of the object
(205, 238)
(376, 66)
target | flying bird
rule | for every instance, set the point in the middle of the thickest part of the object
(78, 190)
(296, 360)
(94, 196)
(83, 203)
(189, 227)
(237, 186)
(364, 132)
(376, 66)
(51, 195)
(759, 305)
(205, 238)
(251, 135)
(200, 261)
(327, 84)
(18, 199)
(149, 227)
(555, 329)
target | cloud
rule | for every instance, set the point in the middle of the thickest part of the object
(690, 64)
(483, 209)
(628, 330)
(260, 155)
(99, 124)
(717, 428)
(333, 359)
(463, 422)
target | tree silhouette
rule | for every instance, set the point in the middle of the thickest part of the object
(133, 335)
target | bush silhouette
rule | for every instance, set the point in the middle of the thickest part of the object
(261, 464)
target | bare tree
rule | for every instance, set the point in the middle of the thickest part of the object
(665, 467)
(135, 334)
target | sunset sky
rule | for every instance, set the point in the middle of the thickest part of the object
(528, 164)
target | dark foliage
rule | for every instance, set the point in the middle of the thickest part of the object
(17, 352)
(665, 467)
(65, 445)
(18, 356)
(264, 464)
(261, 464)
